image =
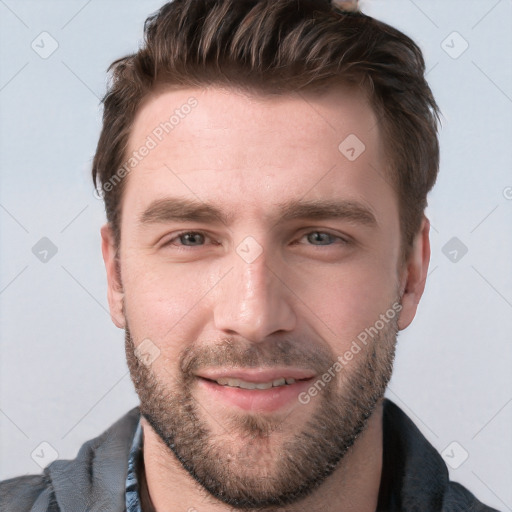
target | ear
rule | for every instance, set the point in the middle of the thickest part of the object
(414, 275)
(115, 292)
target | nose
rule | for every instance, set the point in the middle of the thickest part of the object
(253, 301)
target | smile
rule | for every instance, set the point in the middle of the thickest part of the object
(239, 383)
(254, 389)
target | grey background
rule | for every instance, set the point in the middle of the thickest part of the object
(63, 375)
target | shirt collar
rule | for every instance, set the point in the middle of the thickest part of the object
(132, 487)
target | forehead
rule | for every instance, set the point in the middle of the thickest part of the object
(251, 152)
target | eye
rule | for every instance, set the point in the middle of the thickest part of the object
(188, 239)
(323, 238)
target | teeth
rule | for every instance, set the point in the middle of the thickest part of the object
(238, 383)
(244, 385)
(261, 385)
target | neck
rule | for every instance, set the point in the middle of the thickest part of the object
(354, 485)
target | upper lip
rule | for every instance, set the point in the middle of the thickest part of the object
(256, 374)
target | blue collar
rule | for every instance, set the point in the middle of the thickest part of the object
(132, 489)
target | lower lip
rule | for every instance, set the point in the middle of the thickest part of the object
(262, 400)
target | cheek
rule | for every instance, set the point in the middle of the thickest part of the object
(344, 300)
(163, 301)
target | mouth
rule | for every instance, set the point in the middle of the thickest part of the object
(263, 390)
(239, 383)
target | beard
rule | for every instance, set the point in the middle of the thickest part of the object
(277, 464)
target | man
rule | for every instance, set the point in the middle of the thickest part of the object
(265, 167)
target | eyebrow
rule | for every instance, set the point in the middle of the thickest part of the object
(176, 209)
(328, 209)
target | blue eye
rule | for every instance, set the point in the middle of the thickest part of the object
(191, 238)
(187, 239)
(321, 238)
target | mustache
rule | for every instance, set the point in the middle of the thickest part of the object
(230, 353)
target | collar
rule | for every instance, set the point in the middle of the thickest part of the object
(414, 475)
(135, 462)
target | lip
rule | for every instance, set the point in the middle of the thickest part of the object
(254, 400)
(257, 375)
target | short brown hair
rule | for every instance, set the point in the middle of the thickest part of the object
(277, 47)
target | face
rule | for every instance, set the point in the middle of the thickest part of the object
(259, 284)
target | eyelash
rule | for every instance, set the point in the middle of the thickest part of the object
(343, 241)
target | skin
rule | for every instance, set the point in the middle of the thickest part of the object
(312, 294)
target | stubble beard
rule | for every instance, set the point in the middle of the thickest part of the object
(275, 465)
